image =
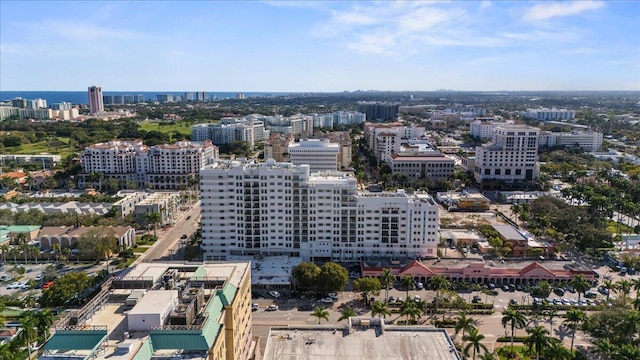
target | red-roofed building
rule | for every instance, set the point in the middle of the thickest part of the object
(481, 273)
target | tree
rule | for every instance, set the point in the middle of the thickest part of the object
(574, 318)
(464, 323)
(410, 310)
(65, 288)
(29, 331)
(580, 284)
(542, 289)
(474, 339)
(367, 286)
(5, 250)
(609, 285)
(515, 320)
(439, 283)
(97, 243)
(556, 351)
(55, 248)
(320, 313)
(153, 218)
(538, 339)
(623, 287)
(379, 309)
(44, 319)
(387, 280)
(550, 315)
(306, 275)
(407, 283)
(346, 313)
(332, 277)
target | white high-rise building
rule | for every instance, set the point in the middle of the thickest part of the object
(96, 103)
(482, 129)
(512, 157)
(282, 209)
(160, 166)
(320, 155)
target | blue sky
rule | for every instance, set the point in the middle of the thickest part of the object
(319, 46)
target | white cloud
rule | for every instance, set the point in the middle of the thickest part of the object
(548, 10)
(580, 51)
(485, 4)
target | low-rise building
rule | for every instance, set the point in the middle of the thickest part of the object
(164, 203)
(361, 338)
(464, 201)
(66, 237)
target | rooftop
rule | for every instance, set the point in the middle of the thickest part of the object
(359, 341)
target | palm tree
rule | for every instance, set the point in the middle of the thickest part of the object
(153, 218)
(407, 283)
(346, 313)
(609, 285)
(410, 310)
(464, 323)
(25, 250)
(604, 348)
(515, 320)
(474, 339)
(574, 318)
(66, 252)
(636, 284)
(580, 284)
(5, 250)
(556, 351)
(488, 356)
(379, 309)
(34, 252)
(628, 352)
(636, 301)
(538, 339)
(320, 313)
(439, 283)
(44, 319)
(55, 248)
(623, 288)
(550, 315)
(29, 331)
(387, 279)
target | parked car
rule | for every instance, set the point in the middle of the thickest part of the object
(271, 308)
(334, 296)
(476, 299)
(417, 298)
(274, 294)
(513, 302)
(327, 300)
(47, 285)
(505, 287)
(392, 299)
(184, 237)
(189, 217)
(419, 286)
(558, 291)
(39, 277)
(255, 307)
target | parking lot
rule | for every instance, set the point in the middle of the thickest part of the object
(14, 282)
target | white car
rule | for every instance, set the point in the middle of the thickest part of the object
(334, 296)
(39, 277)
(13, 285)
(327, 300)
(271, 308)
(275, 294)
(255, 307)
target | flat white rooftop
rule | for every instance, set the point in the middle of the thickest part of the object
(154, 302)
(336, 343)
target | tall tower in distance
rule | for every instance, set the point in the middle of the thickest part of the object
(95, 99)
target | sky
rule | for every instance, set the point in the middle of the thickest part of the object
(319, 46)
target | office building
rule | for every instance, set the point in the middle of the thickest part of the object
(320, 155)
(96, 103)
(473, 110)
(431, 165)
(230, 130)
(588, 140)
(511, 157)
(544, 114)
(386, 139)
(338, 118)
(379, 111)
(157, 167)
(283, 209)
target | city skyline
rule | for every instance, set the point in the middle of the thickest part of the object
(285, 46)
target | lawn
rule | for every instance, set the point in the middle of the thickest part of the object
(612, 226)
(165, 127)
(140, 249)
(41, 147)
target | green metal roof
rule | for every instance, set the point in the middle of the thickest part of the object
(145, 352)
(65, 340)
(191, 340)
(227, 293)
(18, 228)
(199, 273)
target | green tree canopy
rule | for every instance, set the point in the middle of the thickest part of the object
(65, 288)
(332, 277)
(367, 286)
(306, 275)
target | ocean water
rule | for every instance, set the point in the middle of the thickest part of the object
(80, 97)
